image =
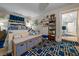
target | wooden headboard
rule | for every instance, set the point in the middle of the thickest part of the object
(1, 34)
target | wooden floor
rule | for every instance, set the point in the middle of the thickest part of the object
(75, 39)
(3, 51)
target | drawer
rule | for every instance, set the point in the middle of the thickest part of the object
(20, 48)
(34, 41)
(30, 43)
(39, 39)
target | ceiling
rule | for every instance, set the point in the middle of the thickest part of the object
(30, 9)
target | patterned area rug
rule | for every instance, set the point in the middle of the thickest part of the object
(52, 48)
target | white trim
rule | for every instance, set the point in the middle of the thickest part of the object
(69, 10)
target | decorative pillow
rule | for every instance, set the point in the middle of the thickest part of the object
(21, 35)
(17, 36)
(24, 34)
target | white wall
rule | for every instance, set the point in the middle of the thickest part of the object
(43, 30)
(40, 27)
(58, 18)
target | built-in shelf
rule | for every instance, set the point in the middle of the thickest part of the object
(52, 27)
(16, 23)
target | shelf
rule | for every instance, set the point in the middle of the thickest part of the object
(52, 24)
(51, 35)
(52, 28)
(16, 26)
(16, 23)
(52, 21)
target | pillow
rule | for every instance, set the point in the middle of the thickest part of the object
(17, 36)
(21, 35)
(24, 34)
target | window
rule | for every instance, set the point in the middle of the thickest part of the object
(69, 21)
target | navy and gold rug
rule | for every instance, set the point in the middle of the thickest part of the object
(52, 48)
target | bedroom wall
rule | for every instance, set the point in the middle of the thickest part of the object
(40, 27)
(58, 18)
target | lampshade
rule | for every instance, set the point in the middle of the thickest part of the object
(63, 27)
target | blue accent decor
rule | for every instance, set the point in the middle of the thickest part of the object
(45, 36)
(16, 18)
(61, 46)
(61, 53)
(53, 48)
(25, 53)
(63, 27)
(72, 50)
(1, 44)
(39, 51)
(48, 54)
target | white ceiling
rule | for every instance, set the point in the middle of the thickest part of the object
(30, 9)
